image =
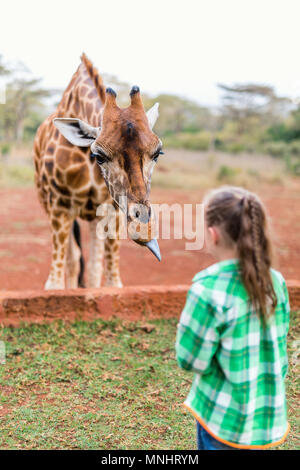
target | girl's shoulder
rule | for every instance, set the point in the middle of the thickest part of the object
(279, 284)
(277, 277)
(219, 285)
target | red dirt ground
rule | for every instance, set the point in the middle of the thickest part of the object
(25, 241)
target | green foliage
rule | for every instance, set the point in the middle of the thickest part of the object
(293, 165)
(281, 149)
(178, 115)
(286, 131)
(15, 175)
(3, 68)
(227, 173)
(279, 132)
(5, 149)
(31, 124)
(25, 105)
(232, 147)
(295, 147)
(277, 149)
(189, 140)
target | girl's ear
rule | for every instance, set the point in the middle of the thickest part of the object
(214, 234)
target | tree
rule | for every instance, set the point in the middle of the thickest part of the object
(25, 97)
(3, 68)
(243, 102)
(177, 114)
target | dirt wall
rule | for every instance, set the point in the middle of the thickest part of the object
(130, 303)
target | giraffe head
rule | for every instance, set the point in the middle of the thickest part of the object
(126, 150)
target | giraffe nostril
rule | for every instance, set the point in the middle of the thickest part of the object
(139, 212)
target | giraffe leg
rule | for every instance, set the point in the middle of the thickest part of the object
(95, 263)
(111, 259)
(73, 262)
(60, 234)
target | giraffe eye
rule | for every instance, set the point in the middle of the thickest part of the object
(157, 154)
(100, 157)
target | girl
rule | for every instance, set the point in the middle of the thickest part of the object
(232, 332)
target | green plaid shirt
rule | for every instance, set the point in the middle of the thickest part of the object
(238, 391)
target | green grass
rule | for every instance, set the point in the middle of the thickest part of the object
(101, 385)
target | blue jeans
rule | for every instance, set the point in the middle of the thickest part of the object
(206, 442)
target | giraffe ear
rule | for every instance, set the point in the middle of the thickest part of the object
(152, 115)
(76, 131)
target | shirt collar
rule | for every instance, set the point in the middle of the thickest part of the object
(223, 266)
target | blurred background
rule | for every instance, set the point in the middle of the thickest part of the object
(226, 75)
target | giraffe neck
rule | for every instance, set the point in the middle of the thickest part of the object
(84, 96)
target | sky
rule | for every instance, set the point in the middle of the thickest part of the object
(183, 47)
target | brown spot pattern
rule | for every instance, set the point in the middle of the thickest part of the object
(77, 177)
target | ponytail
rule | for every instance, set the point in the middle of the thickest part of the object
(254, 252)
(242, 219)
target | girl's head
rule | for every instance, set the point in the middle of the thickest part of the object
(236, 226)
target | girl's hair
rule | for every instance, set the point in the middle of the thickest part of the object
(242, 219)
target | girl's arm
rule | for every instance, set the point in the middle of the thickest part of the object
(197, 335)
(286, 308)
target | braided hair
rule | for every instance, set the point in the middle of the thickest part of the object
(241, 217)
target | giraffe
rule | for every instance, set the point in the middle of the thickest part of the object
(88, 153)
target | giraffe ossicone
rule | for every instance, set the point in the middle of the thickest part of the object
(83, 135)
(88, 153)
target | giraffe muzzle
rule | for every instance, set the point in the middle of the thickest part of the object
(154, 248)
